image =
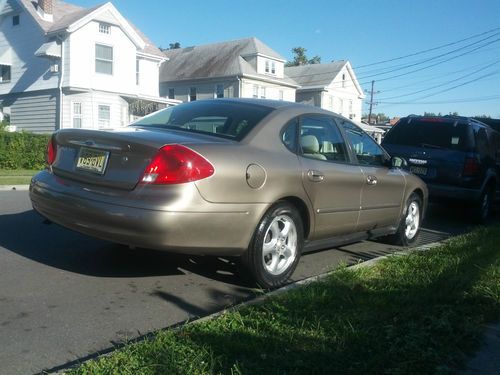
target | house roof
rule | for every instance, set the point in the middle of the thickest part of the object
(321, 75)
(315, 74)
(66, 14)
(225, 59)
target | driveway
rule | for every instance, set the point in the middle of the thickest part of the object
(65, 296)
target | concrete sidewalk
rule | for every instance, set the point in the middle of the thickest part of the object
(14, 187)
(487, 360)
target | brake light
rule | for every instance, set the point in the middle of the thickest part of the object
(51, 151)
(177, 164)
(471, 167)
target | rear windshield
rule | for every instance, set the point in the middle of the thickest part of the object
(430, 133)
(221, 119)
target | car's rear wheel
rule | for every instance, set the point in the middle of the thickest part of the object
(409, 226)
(482, 207)
(276, 246)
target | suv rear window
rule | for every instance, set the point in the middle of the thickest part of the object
(218, 118)
(430, 133)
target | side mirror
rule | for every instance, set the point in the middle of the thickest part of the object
(399, 162)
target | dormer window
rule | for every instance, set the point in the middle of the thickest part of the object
(267, 66)
(15, 20)
(104, 28)
(273, 67)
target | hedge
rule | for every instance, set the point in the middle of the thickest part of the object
(22, 150)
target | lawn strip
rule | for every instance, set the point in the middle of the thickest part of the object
(413, 314)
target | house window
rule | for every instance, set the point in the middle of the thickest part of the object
(262, 92)
(77, 115)
(104, 28)
(273, 67)
(255, 91)
(137, 71)
(15, 20)
(103, 59)
(267, 66)
(343, 80)
(171, 93)
(104, 116)
(281, 94)
(4, 73)
(192, 94)
(219, 91)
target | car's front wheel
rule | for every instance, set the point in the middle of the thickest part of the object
(409, 226)
(276, 246)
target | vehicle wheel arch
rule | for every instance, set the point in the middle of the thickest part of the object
(303, 210)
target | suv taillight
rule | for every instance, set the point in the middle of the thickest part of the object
(471, 167)
(51, 151)
(177, 164)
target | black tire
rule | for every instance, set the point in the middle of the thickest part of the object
(482, 207)
(406, 235)
(261, 265)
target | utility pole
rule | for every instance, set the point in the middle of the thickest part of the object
(371, 104)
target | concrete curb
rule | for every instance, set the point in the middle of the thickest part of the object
(14, 187)
(259, 299)
(309, 280)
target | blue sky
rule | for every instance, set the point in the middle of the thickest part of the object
(363, 32)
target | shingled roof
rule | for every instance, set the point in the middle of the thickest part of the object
(66, 14)
(315, 74)
(225, 59)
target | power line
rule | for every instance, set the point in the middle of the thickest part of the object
(442, 84)
(395, 69)
(429, 49)
(455, 101)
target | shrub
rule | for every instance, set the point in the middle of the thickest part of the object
(22, 150)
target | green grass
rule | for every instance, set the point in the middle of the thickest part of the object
(415, 314)
(16, 176)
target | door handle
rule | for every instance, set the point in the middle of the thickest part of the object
(315, 176)
(371, 180)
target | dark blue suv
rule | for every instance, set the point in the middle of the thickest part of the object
(458, 158)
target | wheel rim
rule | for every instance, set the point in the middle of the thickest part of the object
(279, 249)
(412, 220)
(485, 205)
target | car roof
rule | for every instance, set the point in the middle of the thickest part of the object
(449, 119)
(274, 104)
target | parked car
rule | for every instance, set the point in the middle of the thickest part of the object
(458, 158)
(264, 180)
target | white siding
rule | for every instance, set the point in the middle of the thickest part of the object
(279, 65)
(82, 60)
(204, 89)
(90, 102)
(28, 72)
(272, 90)
(343, 94)
(149, 77)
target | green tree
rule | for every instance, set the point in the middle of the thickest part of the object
(300, 58)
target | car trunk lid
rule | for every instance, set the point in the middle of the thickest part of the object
(115, 159)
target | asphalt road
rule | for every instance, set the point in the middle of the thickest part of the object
(65, 296)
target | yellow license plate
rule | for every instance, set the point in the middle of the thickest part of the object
(92, 160)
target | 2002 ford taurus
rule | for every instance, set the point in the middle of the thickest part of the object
(264, 180)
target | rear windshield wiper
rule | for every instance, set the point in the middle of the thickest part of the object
(428, 145)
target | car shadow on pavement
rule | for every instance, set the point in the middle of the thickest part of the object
(26, 235)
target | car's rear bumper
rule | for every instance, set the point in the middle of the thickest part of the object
(174, 218)
(437, 191)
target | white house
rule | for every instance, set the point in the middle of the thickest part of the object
(245, 68)
(332, 86)
(63, 66)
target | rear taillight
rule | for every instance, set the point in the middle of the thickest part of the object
(177, 164)
(51, 151)
(471, 167)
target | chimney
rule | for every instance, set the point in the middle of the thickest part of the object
(45, 9)
(46, 6)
